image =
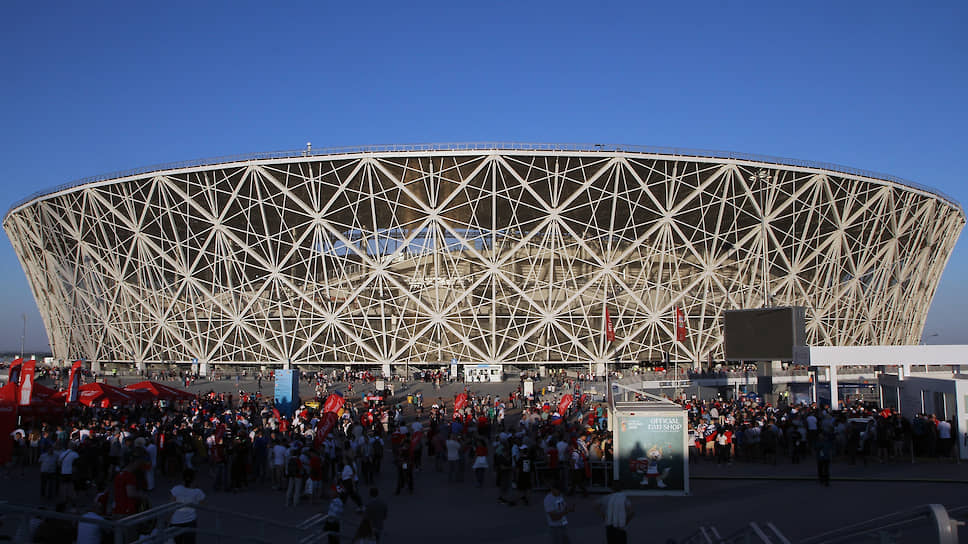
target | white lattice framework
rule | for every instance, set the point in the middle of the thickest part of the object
(489, 255)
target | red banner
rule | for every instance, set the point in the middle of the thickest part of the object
(609, 327)
(74, 383)
(460, 402)
(27, 382)
(324, 426)
(680, 325)
(8, 422)
(333, 403)
(564, 404)
(13, 374)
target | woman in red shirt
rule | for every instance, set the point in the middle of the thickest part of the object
(480, 462)
(127, 496)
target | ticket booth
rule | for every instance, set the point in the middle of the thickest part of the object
(483, 373)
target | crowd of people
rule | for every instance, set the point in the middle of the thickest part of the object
(332, 451)
(111, 459)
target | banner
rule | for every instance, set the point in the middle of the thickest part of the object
(8, 423)
(27, 382)
(564, 404)
(680, 325)
(333, 403)
(324, 426)
(74, 383)
(609, 327)
(287, 391)
(651, 455)
(460, 402)
(13, 374)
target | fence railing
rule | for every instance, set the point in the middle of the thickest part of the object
(151, 526)
(490, 146)
(926, 523)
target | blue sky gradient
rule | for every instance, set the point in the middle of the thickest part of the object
(94, 88)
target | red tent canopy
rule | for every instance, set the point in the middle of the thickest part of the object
(104, 395)
(159, 391)
(38, 407)
(43, 391)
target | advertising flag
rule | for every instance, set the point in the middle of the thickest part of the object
(324, 426)
(564, 404)
(680, 325)
(27, 382)
(334, 403)
(609, 327)
(74, 383)
(460, 402)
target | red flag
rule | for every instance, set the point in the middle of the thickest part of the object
(13, 374)
(27, 382)
(74, 383)
(334, 402)
(564, 404)
(324, 426)
(460, 402)
(609, 327)
(680, 325)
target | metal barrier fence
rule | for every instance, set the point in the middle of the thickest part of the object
(151, 526)
(929, 523)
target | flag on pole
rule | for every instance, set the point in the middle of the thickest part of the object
(13, 375)
(680, 325)
(74, 383)
(609, 327)
(27, 382)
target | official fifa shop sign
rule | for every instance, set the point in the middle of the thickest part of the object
(651, 451)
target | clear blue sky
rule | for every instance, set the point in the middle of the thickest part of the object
(95, 87)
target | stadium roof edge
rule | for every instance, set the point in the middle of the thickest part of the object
(484, 146)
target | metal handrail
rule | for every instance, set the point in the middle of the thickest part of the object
(488, 146)
(308, 530)
(947, 528)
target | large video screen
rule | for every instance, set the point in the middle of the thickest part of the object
(763, 334)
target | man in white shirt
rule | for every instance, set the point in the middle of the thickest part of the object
(616, 510)
(453, 456)
(186, 516)
(66, 461)
(279, 454)
(152, 451)
(556, 510)
(944, 438)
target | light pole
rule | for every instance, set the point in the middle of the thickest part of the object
(761, 178)
(23, 336)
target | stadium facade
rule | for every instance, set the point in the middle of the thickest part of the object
(483, 253)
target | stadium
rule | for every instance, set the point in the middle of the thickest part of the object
(481, 253)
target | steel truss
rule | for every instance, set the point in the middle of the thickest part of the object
(497, 256)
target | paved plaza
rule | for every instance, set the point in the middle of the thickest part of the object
(726, 496)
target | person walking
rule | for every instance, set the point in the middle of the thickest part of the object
(186, 516)
(376, 512)
(825, 452)
(616, 509)
(556, 511)
(480, 462)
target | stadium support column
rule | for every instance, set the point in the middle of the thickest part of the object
(834, 393)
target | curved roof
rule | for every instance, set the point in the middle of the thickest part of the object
(489, 146)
